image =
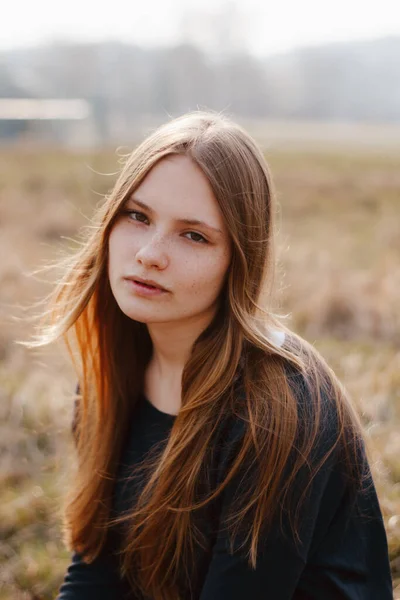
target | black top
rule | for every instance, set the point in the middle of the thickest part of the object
(343, 556)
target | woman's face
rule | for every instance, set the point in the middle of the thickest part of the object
(152, 241)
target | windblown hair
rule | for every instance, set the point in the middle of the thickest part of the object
(237, 346)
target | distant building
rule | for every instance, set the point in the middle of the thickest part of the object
(46, 120)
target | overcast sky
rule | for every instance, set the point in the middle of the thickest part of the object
(261, 26)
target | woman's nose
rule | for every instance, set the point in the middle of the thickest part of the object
(154, 252)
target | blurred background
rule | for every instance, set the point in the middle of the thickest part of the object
(317, 84)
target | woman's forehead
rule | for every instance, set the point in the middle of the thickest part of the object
(176, 187)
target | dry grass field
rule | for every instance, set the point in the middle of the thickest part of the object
(339, 285)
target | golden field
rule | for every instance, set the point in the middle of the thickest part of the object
(339, 285)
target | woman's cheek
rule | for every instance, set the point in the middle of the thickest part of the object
(208, 278)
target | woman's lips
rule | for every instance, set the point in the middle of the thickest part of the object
(145, 290)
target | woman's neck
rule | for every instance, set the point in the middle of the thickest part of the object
(173, 342)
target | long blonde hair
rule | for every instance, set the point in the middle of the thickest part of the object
(236, 346)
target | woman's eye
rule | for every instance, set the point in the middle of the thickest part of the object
(135, 212)
(202, 239)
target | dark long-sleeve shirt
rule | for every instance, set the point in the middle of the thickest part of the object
(343, 556)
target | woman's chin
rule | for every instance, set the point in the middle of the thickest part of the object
(144, 316)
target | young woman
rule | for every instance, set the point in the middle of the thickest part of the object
(218, 455)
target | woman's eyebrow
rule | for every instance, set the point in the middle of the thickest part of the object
(186, 221)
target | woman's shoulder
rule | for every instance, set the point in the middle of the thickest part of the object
(322, 409)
